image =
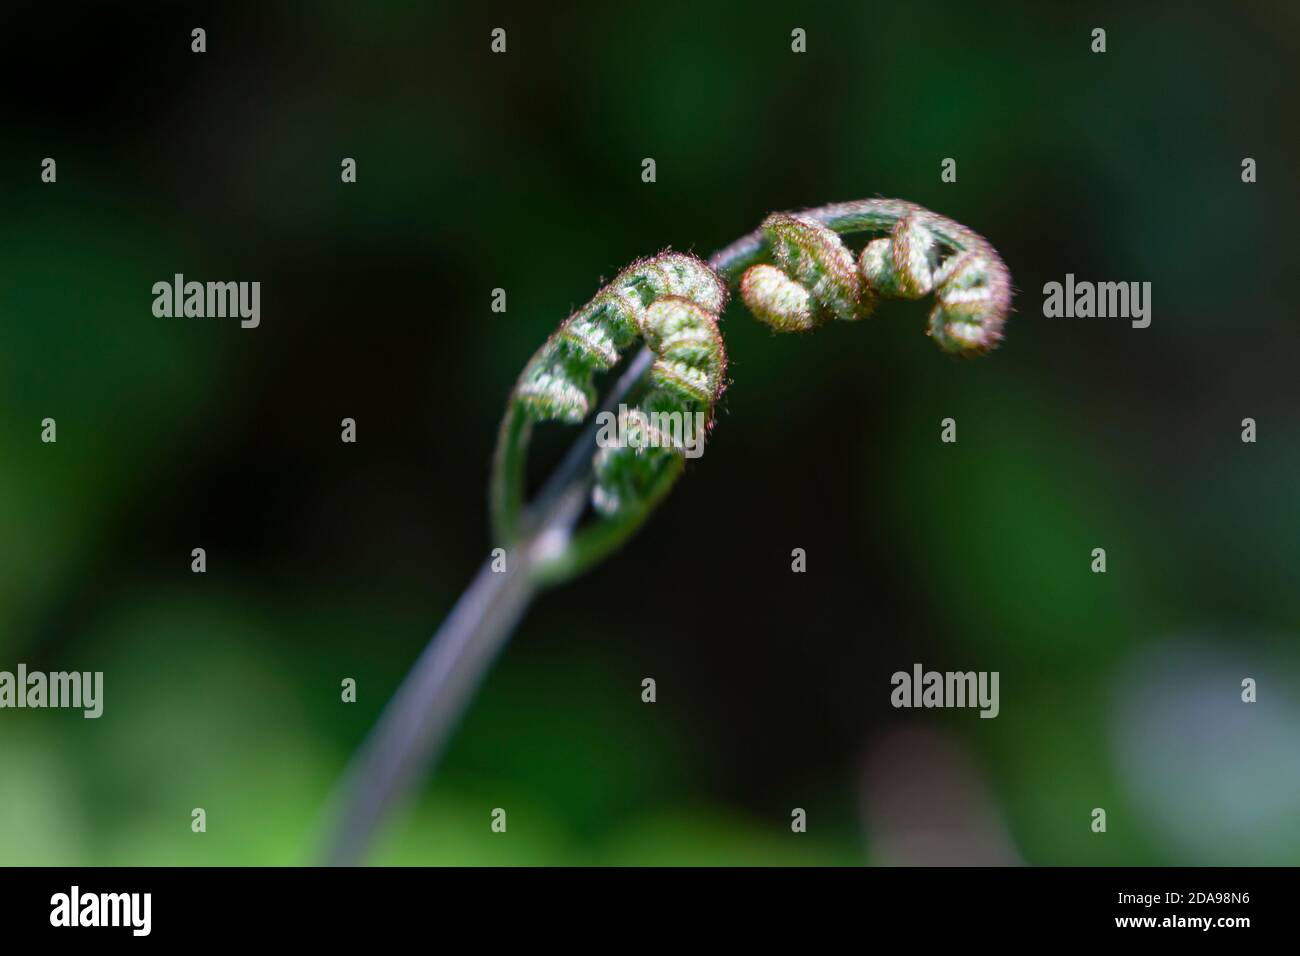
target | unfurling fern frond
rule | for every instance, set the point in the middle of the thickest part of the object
(687, 374)
(815, 278)
(795, 273)
(671, 302)
(558, 381)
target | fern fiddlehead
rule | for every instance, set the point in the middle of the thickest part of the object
(671, 302)
(795, 273)
(815, 278)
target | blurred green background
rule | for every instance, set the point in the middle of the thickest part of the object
(522, 171)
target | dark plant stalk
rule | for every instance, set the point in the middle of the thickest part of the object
(417, 722)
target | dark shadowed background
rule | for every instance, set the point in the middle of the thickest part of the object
(522, 171)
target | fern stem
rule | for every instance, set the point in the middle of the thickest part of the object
(414, 727)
